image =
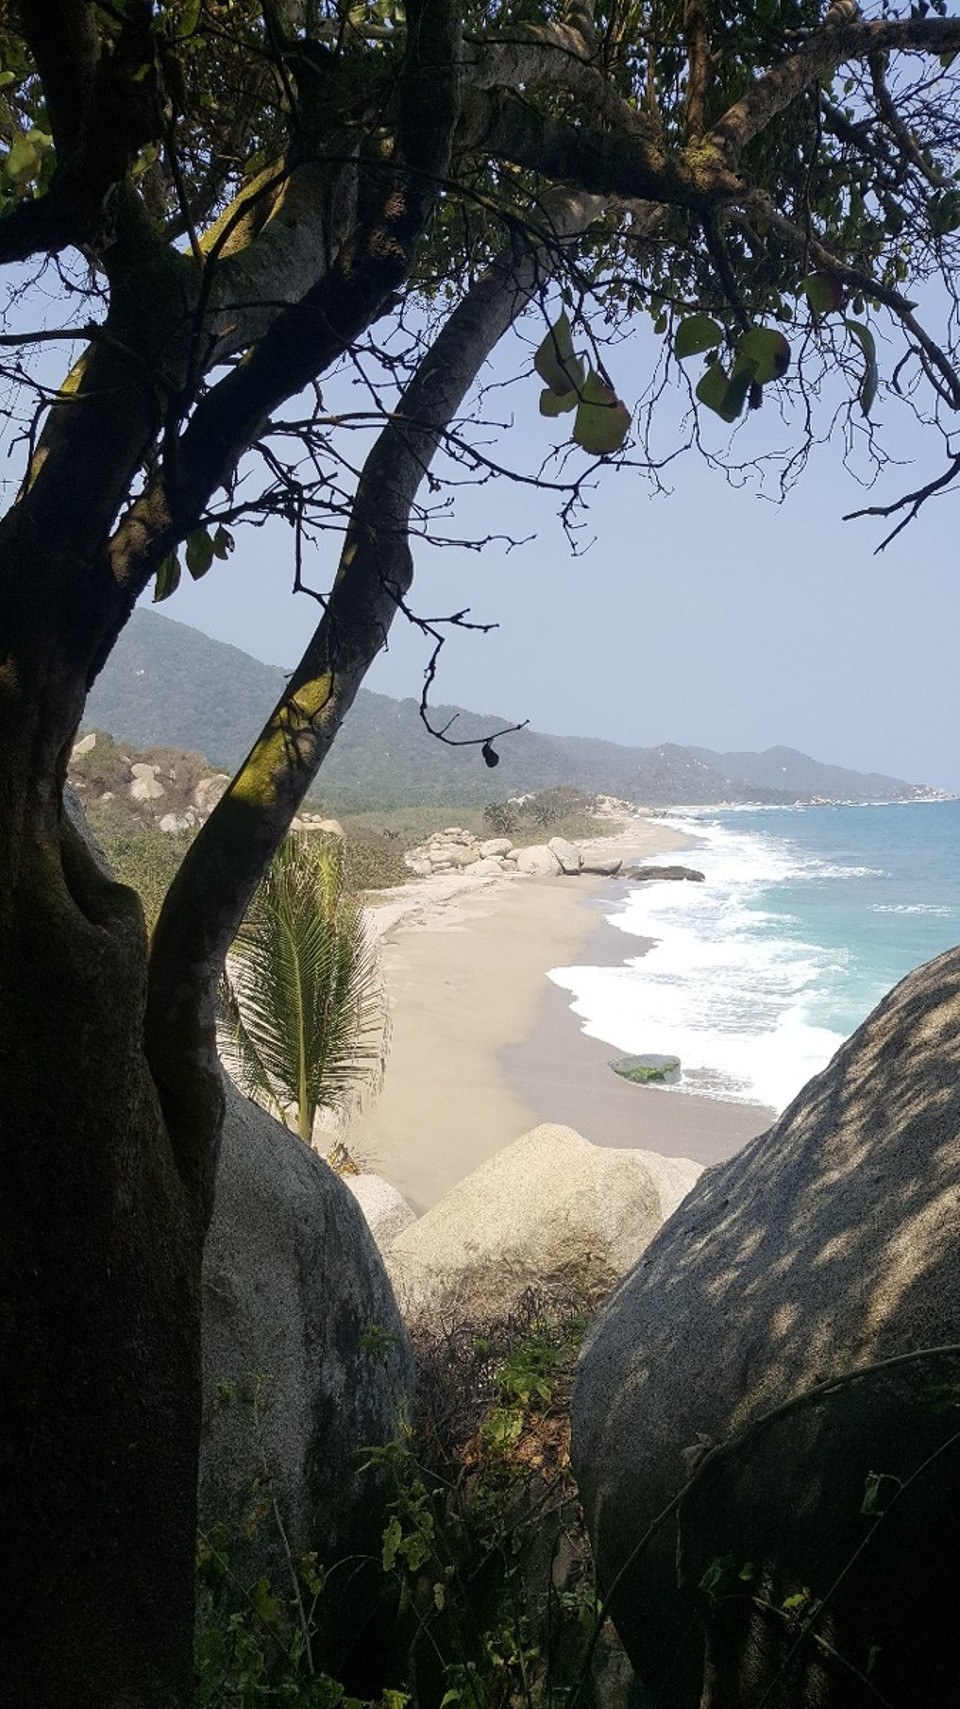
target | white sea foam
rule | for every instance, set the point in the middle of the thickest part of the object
(940, 913)
(726, 987)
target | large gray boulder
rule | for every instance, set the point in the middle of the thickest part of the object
(567, 853)
(549, 1209)
(386, 1211)
(810, 1563)
(305, 1360)
(539, 861)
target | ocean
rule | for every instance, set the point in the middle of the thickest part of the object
(807, 916)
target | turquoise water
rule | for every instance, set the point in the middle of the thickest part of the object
(807, 917)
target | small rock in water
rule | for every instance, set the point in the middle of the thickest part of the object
(645, 874)
(648, 1070)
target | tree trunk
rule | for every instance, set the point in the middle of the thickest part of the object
(101, 1330)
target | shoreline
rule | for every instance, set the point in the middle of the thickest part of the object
(484, 1047)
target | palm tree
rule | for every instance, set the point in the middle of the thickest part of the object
(302, 1015)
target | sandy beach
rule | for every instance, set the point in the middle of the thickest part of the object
(484, 1046)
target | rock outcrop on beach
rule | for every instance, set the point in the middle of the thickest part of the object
(386, 1211)
(810, 1552)
(457, 850)
(653, 874)
(549, 1208)
(305, 1359)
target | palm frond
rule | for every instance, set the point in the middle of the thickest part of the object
(307, 986)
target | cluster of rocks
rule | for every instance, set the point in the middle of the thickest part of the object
(205, 797)
(177, 789)
(178, 784)
(457, 850)
(551, 1209)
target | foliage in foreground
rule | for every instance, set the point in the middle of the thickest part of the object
(484, 1555)
(302, 1010)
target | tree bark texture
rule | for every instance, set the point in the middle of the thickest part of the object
(101, 1251)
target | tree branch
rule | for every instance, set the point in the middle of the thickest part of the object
(221, 869)
(633, 167)
(105, 108)
(910, 502)
(805, 245)
(828, 48)
(697, 41)
(901, 133)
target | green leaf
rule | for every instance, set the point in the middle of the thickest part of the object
(266, 1604)
(823, 292)
(603, 421)
(726, 395)
(871, 373)
(871, 1491)
(23, 161)
(555, 361)
(392, 1538)
(199, 553)
(168, 578)
(737, 391)
(696, 333)
(223, 543)
(769, 352)
(555, 403)
(944, 212)
(713, 387)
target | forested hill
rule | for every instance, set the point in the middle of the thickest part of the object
(168, 685)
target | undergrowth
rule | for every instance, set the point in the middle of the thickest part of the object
(485, 1568)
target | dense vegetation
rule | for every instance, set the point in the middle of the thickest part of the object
(487, 1572)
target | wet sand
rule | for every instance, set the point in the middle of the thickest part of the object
(484, 1046)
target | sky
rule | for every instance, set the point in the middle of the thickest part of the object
(706, 615)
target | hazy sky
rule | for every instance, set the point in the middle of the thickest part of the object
(708, 616)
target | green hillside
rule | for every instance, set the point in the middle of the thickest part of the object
(168, 685)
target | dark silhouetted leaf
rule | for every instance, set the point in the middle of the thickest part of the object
(769, 352)
(737, 392)
(823, 292)
(490, 755)
(713, 387)
(168, 578)
(871, 373)
(199, 553)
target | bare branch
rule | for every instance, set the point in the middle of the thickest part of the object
(910, 502)
(903, 136)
